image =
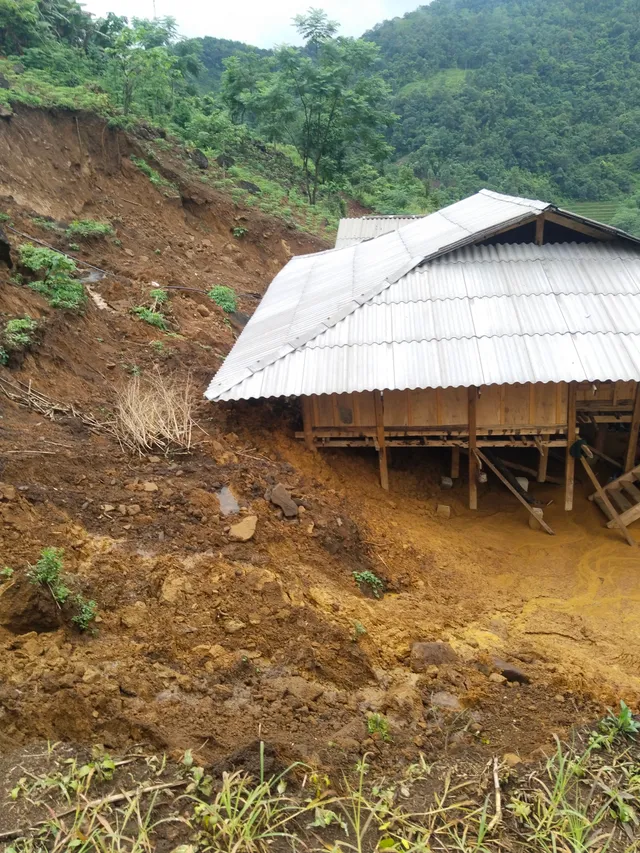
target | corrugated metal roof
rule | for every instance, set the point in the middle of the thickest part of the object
(353, 231)
(376, 315)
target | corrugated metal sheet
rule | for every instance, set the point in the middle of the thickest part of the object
(353, 231)
(376, 316)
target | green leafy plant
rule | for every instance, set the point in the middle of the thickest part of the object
(158, 296)
(57, 286)
(358, 631)
(48, 572)
(225, 297)
(18, 333)
(155, 177)
(153, 318)
(46, 224)
(4, 217)
(4, 357)
(239, 232)
(6, 573)
(74, 247)
(369, 579)
(377, 724)
(86, 610)
(89, 229)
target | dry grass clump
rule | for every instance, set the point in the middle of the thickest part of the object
(154, 412)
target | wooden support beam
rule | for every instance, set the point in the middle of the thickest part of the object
(605, 500)
(544, 459)
(630, 459)
(504, 480)
(307, 423)
(576, 225)
(570, 462)
(601, 437)
(472, 407)
(455, 463)
(382, 445)
(540, 230)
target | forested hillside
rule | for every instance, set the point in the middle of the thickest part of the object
(539, 97)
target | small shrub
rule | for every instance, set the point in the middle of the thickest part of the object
(225, 297)
(89, 229)
(18, 333)
(85, 612)
(153, 318)
(371, 580)
(6, 573)
(48, 572)
(74, 247)
(377, 724)
(159, 296)
(4, 217)
(239, 232)
(4, 357)
(57, 286)
(158, 346)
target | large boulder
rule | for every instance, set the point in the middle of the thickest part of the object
(424, 655)
(26, 607)
(282, 497)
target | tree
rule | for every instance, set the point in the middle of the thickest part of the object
(325, 102)
(315, 27)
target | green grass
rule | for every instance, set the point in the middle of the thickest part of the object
(89, 228)
(153, 318)
(225, 297)
(155, 177)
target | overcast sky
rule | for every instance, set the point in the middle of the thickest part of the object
(259, 22)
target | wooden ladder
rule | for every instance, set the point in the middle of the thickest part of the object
(624, 494)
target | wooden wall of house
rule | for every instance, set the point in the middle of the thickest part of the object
(531, 404)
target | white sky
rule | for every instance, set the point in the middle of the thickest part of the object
(258, 22)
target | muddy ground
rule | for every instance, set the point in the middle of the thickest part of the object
(210, 644)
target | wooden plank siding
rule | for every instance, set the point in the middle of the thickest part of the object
(535, 405)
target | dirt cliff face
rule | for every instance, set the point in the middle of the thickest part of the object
(203, 638)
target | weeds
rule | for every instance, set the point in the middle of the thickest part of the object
(57, 286)
(224, 297)
(155, 177)
(45, 224)
(89, 229)
(155, 413)
(6, 573)
(239, 232)
(48, 572)
(371, 581)
(16, 336)
(153, 318)
(377, 724)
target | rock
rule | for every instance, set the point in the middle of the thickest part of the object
(134, 615)
(424, 655)
(133, 509)
(149, 487)
(232, 626)
(497, 678)
(446, 701)
(350, 736)
(171, 588)
(511, 759)
(199, 159)
(250, 187)
(443, 511)
(244, 530)
(559, 697)
(129, 252)
(5, 111)
(404, 701)
(446, 483)
(122, 509)
(523, 482)
(203, 310)
(538, 512)
(107, 508)
(511, 672)
(300, 688)
(91, 675)
(282, 498)
(4, 83)
(7, 492)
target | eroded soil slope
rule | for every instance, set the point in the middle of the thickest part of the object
(208, 643)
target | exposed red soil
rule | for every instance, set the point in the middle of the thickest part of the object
(208, 644)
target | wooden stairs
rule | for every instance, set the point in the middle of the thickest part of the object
(624, 494)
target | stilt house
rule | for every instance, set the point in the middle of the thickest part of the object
(496, 321)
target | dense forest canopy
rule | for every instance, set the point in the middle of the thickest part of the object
(538, 98)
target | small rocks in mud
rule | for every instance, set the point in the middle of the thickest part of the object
(443, 511)
(298, 687)
(233, 626)
(244, 530)
(497, 678)
(282, 497)
(7, 492)
(424, 655)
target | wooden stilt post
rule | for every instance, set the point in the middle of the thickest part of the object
(570, 464)
(455, 463)
(601, 437)
(307, 423)
(473, 461)
(544, 460)
(630, 459)
(540, 230)
(382, 446)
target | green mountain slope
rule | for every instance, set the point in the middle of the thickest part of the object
(539, 97)
(213, 53)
